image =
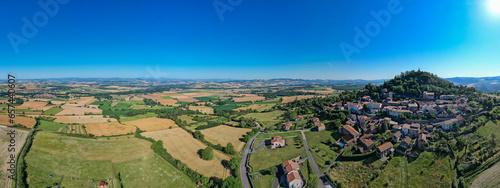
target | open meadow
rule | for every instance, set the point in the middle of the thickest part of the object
(224, 134)
(267, 119)
(82, 119)
(77, 161)
(264, 159)
(182, 146)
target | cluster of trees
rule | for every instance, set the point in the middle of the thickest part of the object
(207, 153)
(414, 83)
(151, 102)
(250, 134)
(135, 112)
(209, 124)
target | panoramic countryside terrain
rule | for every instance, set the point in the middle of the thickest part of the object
(415, 130)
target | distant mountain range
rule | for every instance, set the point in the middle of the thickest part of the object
(485, 84)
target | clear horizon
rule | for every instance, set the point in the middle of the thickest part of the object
(250, 39)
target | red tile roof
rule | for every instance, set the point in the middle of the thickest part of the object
(351, 130)
(293, 176)
(385, 146)
(290, 166)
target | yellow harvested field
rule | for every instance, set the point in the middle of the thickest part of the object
(157, 98)
(202, 109)
(248, 97)
(6, 151)
(152, 124)
(299, 97)
(181, 145)
(24, 121)
(224, 134)
(58, 102)
(182, 97)
(136, 99)
(34, 104)
(198, 94)
(76, 110)
(82, 119)
(81, 101)
(108, 129)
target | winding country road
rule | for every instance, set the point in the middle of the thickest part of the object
(245, 178)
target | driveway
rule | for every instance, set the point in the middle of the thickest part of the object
(313, 163)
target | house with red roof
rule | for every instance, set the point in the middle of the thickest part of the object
(384, 150)
(298, 118)
(287, 126)
(320, 127)
(103, 184)
(277, 141)
(292, 177)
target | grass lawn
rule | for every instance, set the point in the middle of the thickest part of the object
(53, 111)
(351, 174)
(282, 134)
(264, 159)
(256, 143)
(260, 180)
(51, 126)
(267, 119)
(428, 171)
(136, 117)
(187, 118)
(152, 171)
(322, 153)
(392, 175)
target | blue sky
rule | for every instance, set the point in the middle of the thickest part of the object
(255, 39)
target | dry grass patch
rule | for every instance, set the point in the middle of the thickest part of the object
(5, 153)
(181, 145)
(76, 110)
(157, 97)
(152, 124)
(108, 129)
(81, 101)
(58, 102)
(182, 97)
(202, 109)
(224, 134)
(34, 104)
(82, 119)
(248, 97)
(24, 121)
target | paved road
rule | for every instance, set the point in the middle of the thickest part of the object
(244, 162)
(313, 163)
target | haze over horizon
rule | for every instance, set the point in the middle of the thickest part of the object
(250, 40)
